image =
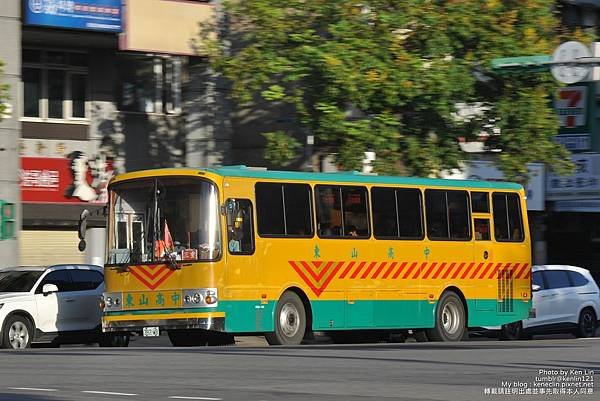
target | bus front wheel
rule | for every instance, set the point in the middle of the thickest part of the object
(290, 321)
(450, 322)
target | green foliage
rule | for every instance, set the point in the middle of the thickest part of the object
(386, 76)
(282, 149)
(3, 93)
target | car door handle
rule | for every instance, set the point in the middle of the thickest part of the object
(69, 300)
(549, 295)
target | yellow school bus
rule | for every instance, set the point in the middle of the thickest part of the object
(244, 250)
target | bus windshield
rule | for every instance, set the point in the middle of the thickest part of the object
(163, 219)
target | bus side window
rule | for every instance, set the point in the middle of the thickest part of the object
(508, 223)
(482, 230)
(240, 233)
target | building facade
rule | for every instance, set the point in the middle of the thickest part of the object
(97, 89)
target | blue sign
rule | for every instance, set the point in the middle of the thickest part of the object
(95, 15)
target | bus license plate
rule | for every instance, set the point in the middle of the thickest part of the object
(151, 332)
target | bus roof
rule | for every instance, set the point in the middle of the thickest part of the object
(341, 176)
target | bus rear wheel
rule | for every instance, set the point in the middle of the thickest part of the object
(450, 321)
(290, 321)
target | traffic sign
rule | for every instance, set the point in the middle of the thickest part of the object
(570, 52)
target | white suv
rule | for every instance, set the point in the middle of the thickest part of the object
(52, 305)
(566, 300)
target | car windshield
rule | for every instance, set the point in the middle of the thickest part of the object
(163, 218)
(18, 281)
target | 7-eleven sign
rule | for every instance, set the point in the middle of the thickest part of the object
(571, 106)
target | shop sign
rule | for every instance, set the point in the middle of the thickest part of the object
(583, 184)
(575, 142)
(487, 171)
(571, 106)
(75, 179)
(94, 15)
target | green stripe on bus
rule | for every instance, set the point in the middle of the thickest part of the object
(356, 177)
(250, 316)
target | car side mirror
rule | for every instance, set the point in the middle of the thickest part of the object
(48, 289)
(535, 288)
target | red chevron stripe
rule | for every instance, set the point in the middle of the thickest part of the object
(455, 275)
(499, 270)
(142, 270)
(494, 271)
(309, 282)
(315, 276)
(381, 266)
(476, 271)
(366, 273)
(357, 270)
(419, 270)
(330, 277)
(430, 269)
(466, 273)
(448, 271)
(410, 269)
(439, 270)
(347, 270)
(389, 270)
(135, 271)
(400, 268)
(522, 271)
(304, 277)
(487, 268)
(324, 270)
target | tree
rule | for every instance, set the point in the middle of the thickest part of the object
(390, 76)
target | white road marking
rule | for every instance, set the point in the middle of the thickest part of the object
(32, 389)
(181, 397)
(107, 393)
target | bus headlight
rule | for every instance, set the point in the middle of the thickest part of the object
(206, 297)
(111, 301)
(211, 297)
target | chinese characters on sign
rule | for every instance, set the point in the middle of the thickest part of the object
(65, 180)
(96, 15)
(584, 184)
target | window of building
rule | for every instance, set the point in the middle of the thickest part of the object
(342, 211)
(397, 213)
(284, 209)
(55, 84)
(508, 224)
(448, 215)
(149, 83)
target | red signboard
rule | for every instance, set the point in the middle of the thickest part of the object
(64, 180)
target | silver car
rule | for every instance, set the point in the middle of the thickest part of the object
(566, 300)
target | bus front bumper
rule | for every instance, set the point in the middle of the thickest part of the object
(131, 323)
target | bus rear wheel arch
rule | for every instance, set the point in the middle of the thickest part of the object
(290, 320)
(450, 318)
